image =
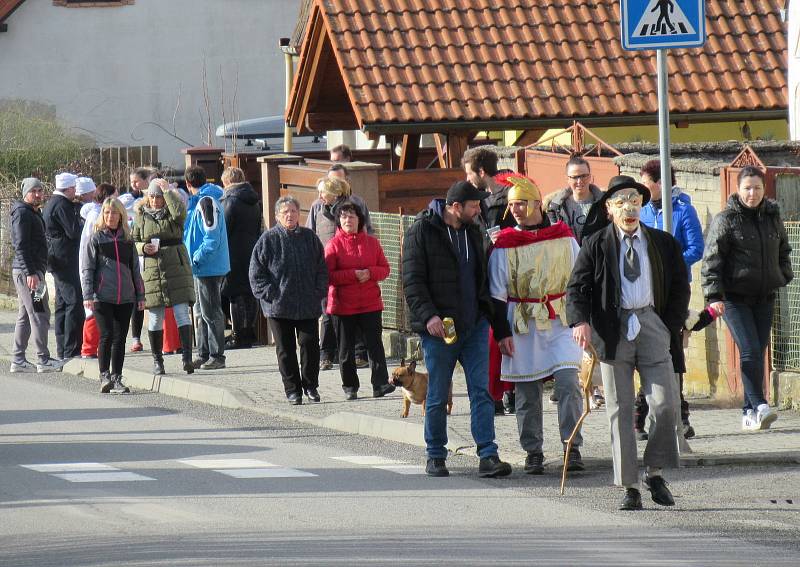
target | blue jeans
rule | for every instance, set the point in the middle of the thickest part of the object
(750, 326)
(472, 352)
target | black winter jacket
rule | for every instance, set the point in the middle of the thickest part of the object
(431, 271)
(63, 223)
(747, 253)
(594, 297)
(495, 206)
(28, 239)
(243, 220)
(288, 273)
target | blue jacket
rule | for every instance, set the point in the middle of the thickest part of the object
(205, 234)
(210, 190)
(686, 226)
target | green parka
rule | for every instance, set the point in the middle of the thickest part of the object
(167, 273)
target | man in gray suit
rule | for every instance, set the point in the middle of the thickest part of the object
(629, 296)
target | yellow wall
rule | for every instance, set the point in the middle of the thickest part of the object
(711, 132)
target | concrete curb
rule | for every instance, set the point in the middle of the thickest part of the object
(347, 422)
(400, 431)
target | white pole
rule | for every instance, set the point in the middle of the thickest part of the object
(663, 138)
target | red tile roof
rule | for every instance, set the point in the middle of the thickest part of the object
(425, 61)
(8, 6)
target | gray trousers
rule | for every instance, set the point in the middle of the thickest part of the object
(528, 408)
(210, 318)
(649, 354)
(29, 321)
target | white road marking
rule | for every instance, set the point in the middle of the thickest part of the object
(368, 460)
(403, 469)
(226, 463)
(120, 476)
(68, 467)
(272, 472)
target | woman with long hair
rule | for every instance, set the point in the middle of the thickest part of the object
(112, 288)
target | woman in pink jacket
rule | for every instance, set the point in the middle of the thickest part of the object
(355, 266)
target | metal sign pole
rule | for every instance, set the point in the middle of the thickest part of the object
(663, 138)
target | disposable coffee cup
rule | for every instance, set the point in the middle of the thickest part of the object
(155, 242)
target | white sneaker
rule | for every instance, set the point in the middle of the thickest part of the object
(765, 416)
(749, 422)
(22, 367)
(52, 365)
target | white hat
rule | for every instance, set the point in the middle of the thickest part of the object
(84, 185)
(65, 180)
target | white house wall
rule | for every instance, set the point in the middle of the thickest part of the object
(112, 71)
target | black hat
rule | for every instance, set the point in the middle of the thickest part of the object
(597, 217)
(461, 191)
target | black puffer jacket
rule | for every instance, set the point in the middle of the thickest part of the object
(431, 271)
(63, 223)
(243, 218)
(28, 239)
(747, 253)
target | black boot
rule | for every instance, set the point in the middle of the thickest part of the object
(156, 345)
(185, 333)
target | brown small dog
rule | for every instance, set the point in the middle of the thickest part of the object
(414, 386)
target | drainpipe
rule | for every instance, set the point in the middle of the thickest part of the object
(288, 59)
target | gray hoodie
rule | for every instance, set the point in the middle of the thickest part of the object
(110, 269)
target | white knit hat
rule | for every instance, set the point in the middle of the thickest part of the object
(84, 185)
(65, 180)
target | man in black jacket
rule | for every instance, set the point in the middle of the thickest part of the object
(27, 269)
(629, 296)
(444, 275)
(63, 223)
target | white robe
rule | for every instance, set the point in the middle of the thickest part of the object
(538, 353)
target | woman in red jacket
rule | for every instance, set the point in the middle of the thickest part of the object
(355, 266)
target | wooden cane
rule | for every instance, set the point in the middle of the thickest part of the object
(587, 369)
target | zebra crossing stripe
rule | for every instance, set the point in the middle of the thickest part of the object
(246, 468)
(226, 463)
(69, 467)
(368, 460)
(119, 476)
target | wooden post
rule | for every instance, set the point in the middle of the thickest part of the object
(456, 146)
(410, 152)
(441, 149)
(210, 159)
(271, 183)
(364, 182)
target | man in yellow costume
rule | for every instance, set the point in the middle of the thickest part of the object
(529, 269)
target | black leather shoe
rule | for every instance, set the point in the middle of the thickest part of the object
(688, 431)
(632, 500)
(381, 391)
(493, 467)
(659, 491)
(350, 393)
(436, 467)
(509, 402)
(641, 435)
(534, 464)
(312, 394)
(295, 399)
(498, 408)
(575, 461)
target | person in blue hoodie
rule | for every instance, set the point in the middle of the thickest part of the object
(206, 238)
(688, 231)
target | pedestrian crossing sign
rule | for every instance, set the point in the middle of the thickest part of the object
(660, 24)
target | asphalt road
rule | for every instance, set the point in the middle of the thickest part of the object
(143, 479)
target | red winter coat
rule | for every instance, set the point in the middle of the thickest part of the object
(344, 254)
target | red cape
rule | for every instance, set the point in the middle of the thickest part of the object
(512, 238)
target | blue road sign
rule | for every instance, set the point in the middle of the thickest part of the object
(660, 24)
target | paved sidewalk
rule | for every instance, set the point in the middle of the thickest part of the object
(251, 380)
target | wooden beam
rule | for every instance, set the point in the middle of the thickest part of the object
(410, 152)
(441, 149)
(319, 122)
(457, 144)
